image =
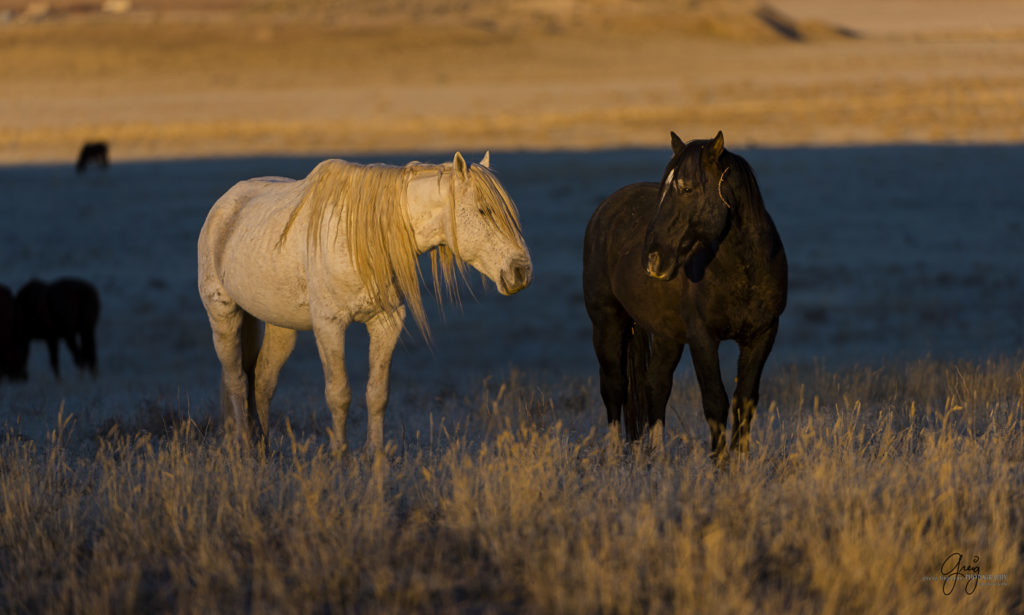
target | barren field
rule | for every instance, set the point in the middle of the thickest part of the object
(887, 457)
(173, 80)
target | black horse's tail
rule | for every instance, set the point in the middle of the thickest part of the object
(638, 402)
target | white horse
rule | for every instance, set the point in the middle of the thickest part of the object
(340, 246)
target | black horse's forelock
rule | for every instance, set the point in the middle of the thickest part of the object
(691, 157)
(693, 149)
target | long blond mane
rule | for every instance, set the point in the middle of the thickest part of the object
(369, 204)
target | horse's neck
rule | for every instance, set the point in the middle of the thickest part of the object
(428, 204)
(752, 238)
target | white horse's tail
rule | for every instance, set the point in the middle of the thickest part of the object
(250, 334)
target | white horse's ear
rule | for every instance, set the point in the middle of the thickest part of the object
(459, 164)
(486, 160)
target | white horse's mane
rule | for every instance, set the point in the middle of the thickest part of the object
(369, 202)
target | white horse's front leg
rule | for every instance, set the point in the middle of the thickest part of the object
(384, 329)
(330, 342)
(278, 344)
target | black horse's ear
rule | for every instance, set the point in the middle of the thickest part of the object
(717, 145)
(677, 143)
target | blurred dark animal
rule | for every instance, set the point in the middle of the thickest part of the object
(93, 154)
(64, 310)
(693, 260)
(6, 330)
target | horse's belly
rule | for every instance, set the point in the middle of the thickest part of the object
(270, 289)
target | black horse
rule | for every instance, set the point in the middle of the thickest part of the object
(92, 154)
(693, 260)
(6, 331)
(64, 310)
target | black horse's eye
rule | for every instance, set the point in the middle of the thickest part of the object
(686, 189)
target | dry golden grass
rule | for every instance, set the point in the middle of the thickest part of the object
(858, 486)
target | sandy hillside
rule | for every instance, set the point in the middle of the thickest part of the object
(181, 79)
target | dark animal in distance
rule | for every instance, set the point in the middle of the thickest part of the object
(93, 154)
(64, 310)
(693, 260)
(6, 330)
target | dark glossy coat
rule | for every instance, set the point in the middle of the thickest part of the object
(693, 260)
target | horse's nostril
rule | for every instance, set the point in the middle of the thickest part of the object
(516, 278)
(653, 261)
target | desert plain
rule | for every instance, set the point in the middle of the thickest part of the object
(189, 79)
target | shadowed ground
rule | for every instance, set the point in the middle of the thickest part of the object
(896, 253)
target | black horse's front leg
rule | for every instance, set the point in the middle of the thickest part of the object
(753, 355)
(704, 350)
(53, 345)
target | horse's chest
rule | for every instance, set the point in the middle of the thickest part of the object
(738, 301)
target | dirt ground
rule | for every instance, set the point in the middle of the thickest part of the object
(189, 79)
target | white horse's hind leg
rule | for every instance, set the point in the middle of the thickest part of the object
(278, 344)
(226, 323)
(330, 342)
(384, 331)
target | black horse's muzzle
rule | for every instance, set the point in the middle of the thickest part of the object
(654, 266)
(662, 264)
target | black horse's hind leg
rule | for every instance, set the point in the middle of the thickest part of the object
(71, 340)
(53, 345)
(704, 350)
(87, 350)
(83, 349)
(665, 354)
(611, 336)
(753, 355)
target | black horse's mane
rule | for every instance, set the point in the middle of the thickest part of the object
(741, 180)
